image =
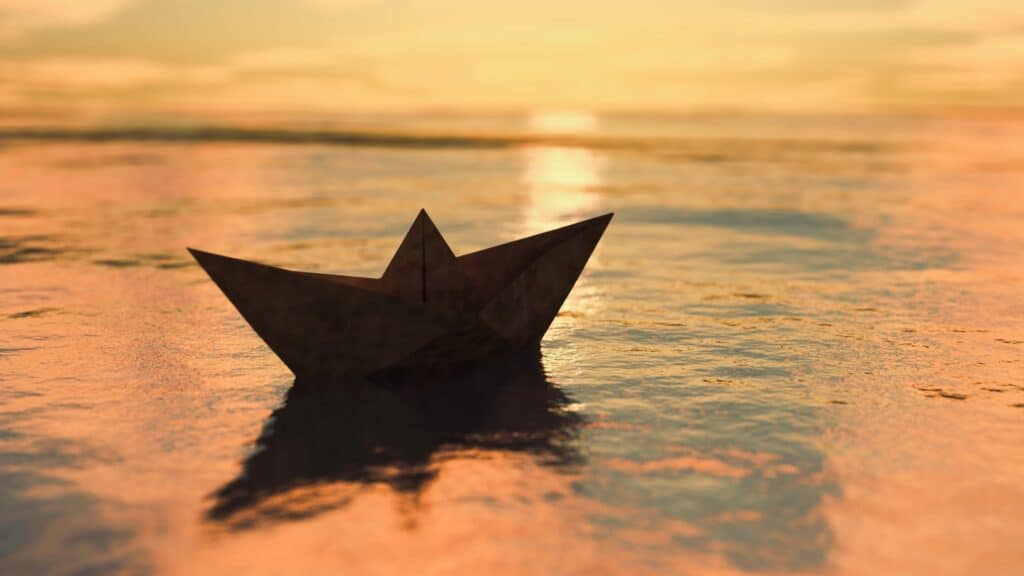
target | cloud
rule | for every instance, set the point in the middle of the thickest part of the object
(820, 6)
(18, 17)
(266, 80)
(81, 73)
(335, 3)
(344, 54)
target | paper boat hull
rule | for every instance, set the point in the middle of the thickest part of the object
(465, 309)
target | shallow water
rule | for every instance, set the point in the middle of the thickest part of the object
(798, 348)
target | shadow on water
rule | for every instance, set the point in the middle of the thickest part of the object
(31, 248)
(359, 433)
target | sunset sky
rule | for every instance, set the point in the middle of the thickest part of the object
(197, 56)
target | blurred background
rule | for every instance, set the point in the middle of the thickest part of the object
(164, 60)
(799, 347)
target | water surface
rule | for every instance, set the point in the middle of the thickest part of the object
(798, 348)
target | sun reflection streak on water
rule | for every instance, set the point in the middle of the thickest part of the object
(560, 183)
(560, 180)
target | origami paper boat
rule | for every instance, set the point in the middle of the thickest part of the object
(429, 314)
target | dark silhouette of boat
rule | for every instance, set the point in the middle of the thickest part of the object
(430, 314)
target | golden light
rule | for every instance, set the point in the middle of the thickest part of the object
(562, 187)
(560, 180)
(562, 122)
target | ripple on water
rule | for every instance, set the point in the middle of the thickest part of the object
(33, 313)
(33, 248)
(158, 260)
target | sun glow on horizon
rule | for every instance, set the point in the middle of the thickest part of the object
(561, 185)
(560, 179)
(155, 58)
(563, 122)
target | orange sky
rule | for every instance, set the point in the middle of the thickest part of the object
(197, 56)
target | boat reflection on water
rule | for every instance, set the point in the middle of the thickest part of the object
(327, 441)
